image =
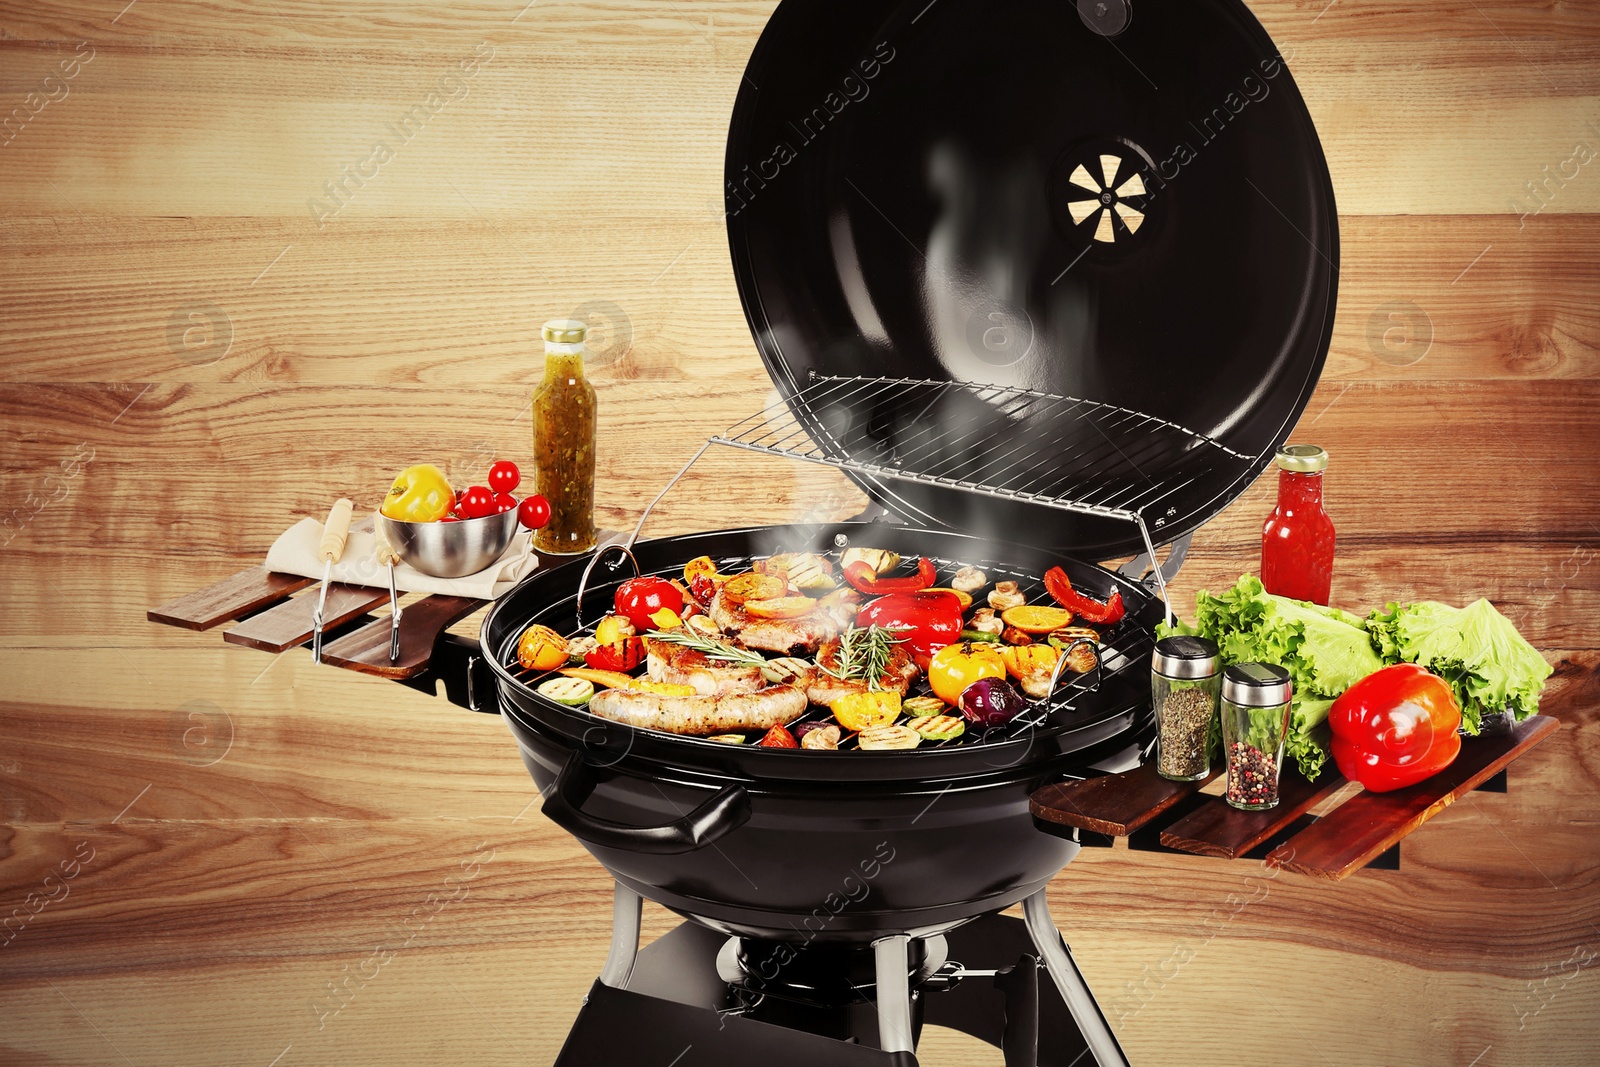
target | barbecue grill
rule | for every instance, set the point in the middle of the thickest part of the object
(1043, 313)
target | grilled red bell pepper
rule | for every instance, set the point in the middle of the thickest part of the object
(1087, 608)
(1395, 727)
(623, 655)
(865, 579)
(928, 619)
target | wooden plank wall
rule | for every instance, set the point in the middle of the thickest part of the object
(190, 360)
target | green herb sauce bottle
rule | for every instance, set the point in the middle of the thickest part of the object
(563, 441)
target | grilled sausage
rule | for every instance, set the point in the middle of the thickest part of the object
(776, 705)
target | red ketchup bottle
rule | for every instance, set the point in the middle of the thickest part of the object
(1297, 540)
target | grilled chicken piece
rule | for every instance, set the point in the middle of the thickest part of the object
(709, 677)
(783, 636)
(776, 705)
(823, 688)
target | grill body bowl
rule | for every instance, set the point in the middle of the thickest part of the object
(838, 847)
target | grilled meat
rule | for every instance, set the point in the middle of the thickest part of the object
(771, 635)
(823, 688)
(763, 709)
(709, 677)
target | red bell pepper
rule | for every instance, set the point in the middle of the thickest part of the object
(865, 579)
(1087, 608)
(623, 655)
(1395, 727)
(928, 619)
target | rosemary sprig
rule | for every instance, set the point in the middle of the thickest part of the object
(864, 654)
(709, 647)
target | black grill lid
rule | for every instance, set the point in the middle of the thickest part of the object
(984, 243)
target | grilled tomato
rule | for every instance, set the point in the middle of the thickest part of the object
(955, 667)
(640, 598)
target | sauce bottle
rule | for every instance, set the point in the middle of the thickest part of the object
(563, 441)
(1297, 540)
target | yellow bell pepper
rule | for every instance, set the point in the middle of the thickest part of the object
(420, 494)
(863, 711)
(955, 667)
(541, 649)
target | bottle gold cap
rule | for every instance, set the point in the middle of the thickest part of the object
(1301, 459)
(565, 331)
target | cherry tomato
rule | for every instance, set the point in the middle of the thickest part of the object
(504, 476)
(476, 502)
(640, 598)
(451, 518)
(504, 502)
(533, 512)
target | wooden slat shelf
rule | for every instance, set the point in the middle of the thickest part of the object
(1353, 835)
(279, 620)
(1368, 824)
(229, 599)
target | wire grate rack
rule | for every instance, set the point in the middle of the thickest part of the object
(1002, 441)
(999, 441)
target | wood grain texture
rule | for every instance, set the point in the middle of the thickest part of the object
(260, 826)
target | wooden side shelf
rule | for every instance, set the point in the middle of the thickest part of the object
(1351, 836)
(1368, 824)
(1113, 804)
(276, 620)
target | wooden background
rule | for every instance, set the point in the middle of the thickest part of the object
(190, 362)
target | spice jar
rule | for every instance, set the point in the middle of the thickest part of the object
(563, 441)
(1255, 723)
(1184, 682)
(1297, 538)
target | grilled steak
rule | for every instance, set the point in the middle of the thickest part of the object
(823, 688)
(709, 677)
(772, 635)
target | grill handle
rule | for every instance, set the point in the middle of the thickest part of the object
(723, 813)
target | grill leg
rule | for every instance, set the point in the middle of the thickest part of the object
(626, 908)
(894, 994)
(1069, 980)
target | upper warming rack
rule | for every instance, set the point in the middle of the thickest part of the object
(1000, 441)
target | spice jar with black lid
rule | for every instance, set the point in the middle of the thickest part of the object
(1255, 724)
(1184, 684)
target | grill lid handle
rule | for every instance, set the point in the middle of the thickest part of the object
(726, 811)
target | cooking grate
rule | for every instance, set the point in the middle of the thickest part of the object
(1000, 441)
(1124, 646)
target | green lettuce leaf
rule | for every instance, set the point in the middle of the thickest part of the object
(1491, 667)
(1325, 651)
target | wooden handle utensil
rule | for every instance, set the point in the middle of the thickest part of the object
(336, 531)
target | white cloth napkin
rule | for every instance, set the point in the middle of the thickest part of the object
(295, 552)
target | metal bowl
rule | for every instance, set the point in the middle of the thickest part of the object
(450, 549)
